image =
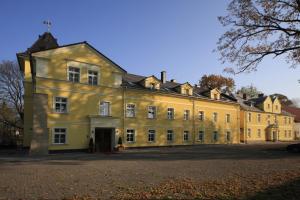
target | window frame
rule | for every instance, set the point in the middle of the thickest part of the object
(154, 112)
(186, 133)
(201, 132)
(108, 110)
(54, 133)
(259, 118)
(173, 113)
(54, 105)
(154, 135)
(201, 115)
(88, 77)
(186, 115)
(170, 132)
(133, 137)
(215, 136)
(228, 118)
(215, 117)
(134, 110)
(249, 133)
(79, 74)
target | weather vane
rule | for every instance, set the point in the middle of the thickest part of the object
(48, 24)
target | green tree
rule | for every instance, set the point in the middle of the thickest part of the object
(251, 91)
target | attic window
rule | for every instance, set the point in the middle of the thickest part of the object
(276, 107)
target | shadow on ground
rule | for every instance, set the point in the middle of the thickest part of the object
(200, 152)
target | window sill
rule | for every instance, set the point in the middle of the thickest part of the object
(53, 144)
(61, 112)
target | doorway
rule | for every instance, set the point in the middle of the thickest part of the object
(103, 139)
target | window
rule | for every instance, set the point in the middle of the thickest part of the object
(290, 133)
(215, 117)
(285, 133)
(186, 114)
(152, 86)
(201, 115)
(170, 136)
(289, 120)
(268, 106)
(216, 96)
(130, 135)
(59, 136)
(249, 133)
(285, 120)
(170, 113)
(259, 118)
(215, 136)
(104, 108)
(227, 118)
(93, 77)
(151, 136)
(201, 136)
(185, 136)
(61, 105)
(249, 117)
(130, 110)
(187, 91)
(151, 112)
(74, 74)
(259, 133)
(276, 107)
(269, 119)
(228, 136)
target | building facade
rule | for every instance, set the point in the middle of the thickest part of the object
(296, 112)
(75, 94)
(262, 119)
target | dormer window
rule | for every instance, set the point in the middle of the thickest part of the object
(216, 96)
(152, 86)
(268, 106)
(187, 91)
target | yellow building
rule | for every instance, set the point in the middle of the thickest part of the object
(262, 119)
(75, 94)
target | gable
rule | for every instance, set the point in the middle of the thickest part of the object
(215, 94)
(80, 52)
(151, 82)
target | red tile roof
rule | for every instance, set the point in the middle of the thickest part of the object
(295, 111)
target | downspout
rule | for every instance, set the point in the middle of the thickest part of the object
(194, 125)
(123, 137)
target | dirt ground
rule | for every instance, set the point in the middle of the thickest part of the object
(105, 175)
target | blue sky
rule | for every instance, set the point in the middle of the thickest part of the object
(143, 36)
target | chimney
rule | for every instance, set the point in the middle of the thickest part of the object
(244, 96)
(173, 80)
(163, 76)
(261, 95)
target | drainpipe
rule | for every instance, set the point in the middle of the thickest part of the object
(194, 129)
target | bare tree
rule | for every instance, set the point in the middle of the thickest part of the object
(12, 87)
(260, 28)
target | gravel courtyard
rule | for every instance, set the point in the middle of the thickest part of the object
(101, 175)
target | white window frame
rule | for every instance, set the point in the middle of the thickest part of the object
(259, 118)
(79, 73)
(228, 118)
(201, 132)
(215, 117)
(108, 110)
(127, 110)
(152, 133)
(133, 137)
(154, 112)
(170, 132)
(201, 115)
(249, 116)
(215, 139)
(228, 132)
(172, 115)
(249, 132)
(186, 115)
(186, 133)
(259, 133)
(54, 104)
(88, 76)
(54, 133)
